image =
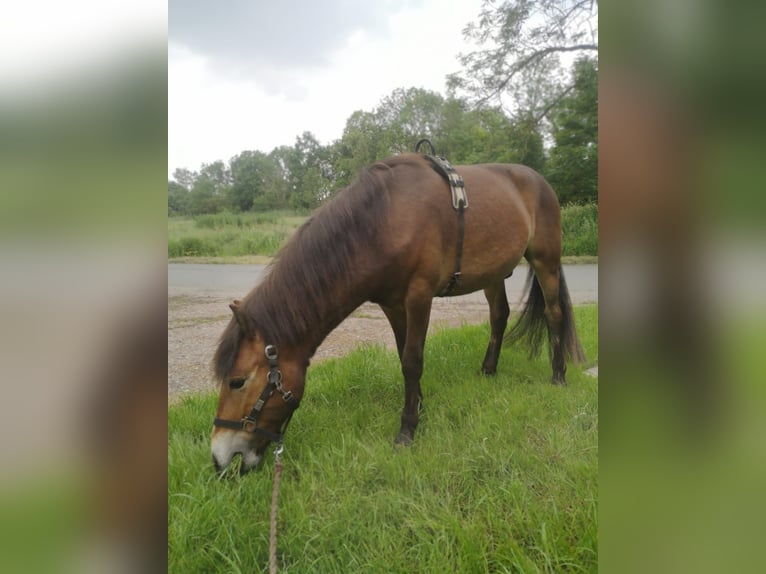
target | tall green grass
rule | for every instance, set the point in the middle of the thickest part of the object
(235, 234)
(230, 234)
(241, 220)
(502, 476)
(579, 229)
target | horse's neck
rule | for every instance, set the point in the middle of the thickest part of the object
(346, 303)
(318, 314)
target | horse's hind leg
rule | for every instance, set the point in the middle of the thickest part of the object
(498, 319)
(548, 276)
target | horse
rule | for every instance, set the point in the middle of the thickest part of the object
(391, 238)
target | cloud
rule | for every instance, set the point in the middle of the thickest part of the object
(257, 36)
(217, 108)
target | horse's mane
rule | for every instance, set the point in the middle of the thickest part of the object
(297, 293)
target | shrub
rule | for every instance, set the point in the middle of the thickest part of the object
(579, 229)
(192, 247)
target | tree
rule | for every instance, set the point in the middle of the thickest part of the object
(521, 43)
(526, 142)
(482, 135)
(178, 198)
(208, 193)
(184, 177)
(306, 171)
(572, 168)
(408, 115)
(361, 144)
(313, 174)
(256, 182)
(488, 135)
(287, 163)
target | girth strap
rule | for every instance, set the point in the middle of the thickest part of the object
(454, 281)
(460, 204)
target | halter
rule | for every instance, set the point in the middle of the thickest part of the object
(273, 383)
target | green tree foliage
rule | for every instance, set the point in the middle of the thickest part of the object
(517, 67)
(311, 175)
(520, 44)
(178, 198)
(487, 135)
(408, 115)
(256, 181)
(184, 177)
(210, 188)
(305, 174)
(459, 133)
(527, 142)
(572, 168)
(362, 143)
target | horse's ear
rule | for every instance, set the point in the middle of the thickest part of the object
(241, 318)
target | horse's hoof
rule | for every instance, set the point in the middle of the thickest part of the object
(559, 382)
(402, 440)
(488, 372)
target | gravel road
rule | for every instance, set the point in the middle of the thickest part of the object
(198, 298)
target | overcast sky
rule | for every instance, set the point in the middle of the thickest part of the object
(253, 75)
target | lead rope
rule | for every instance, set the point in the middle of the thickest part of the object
(274, 494)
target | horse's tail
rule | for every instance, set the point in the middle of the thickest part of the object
(570, 342)
(532, 325)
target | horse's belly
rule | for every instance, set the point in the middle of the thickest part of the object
(476, 276)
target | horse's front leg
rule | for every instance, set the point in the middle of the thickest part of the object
(418, 309)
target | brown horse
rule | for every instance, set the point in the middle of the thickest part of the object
(390, 238)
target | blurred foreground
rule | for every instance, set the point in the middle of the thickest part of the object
(682, 272)
(83, 125)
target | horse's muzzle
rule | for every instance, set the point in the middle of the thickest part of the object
(226, 445)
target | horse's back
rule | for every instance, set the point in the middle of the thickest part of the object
(529, 201)
(511, 180)
(507, 204)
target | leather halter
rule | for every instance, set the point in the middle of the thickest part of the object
(273, 383)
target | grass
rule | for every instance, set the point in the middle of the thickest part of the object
(579, 229)
(502, 476)
(230, 235)
(248, 237)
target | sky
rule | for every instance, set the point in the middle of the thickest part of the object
(246, 75)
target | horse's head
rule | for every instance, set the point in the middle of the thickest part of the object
(261, 386)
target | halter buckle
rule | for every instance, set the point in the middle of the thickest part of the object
(271, 352)
(248, 421)
(275, 377)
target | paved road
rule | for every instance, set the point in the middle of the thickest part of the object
(236, 280)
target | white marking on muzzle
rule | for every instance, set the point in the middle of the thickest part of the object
(227, 443)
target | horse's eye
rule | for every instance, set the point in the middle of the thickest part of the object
(236, 383)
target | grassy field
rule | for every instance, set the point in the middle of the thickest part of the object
(228, 235)
(502, 476)
(233, 237)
